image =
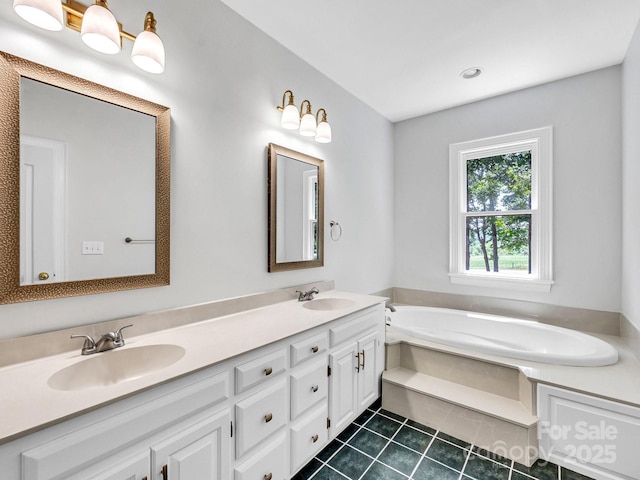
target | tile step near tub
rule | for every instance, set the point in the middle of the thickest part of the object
(485, 404)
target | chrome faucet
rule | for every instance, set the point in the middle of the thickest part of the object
(108, 341)
(304, 296)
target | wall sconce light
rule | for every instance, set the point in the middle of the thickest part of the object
(306, 122)
(98, 28)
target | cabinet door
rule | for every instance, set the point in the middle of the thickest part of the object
(198, 452)
(367, 378)
(343, 385)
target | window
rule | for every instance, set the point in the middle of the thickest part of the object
(500, 207)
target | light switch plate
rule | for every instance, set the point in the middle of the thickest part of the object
(92, 248)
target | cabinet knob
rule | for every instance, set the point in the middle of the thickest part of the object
(268, 476)
(315, 438)
(268, 371)
(268, 417)
(314, 349)
(314, 389)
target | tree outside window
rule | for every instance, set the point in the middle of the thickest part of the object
(498, 224)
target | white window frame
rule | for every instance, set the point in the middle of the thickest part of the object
(539, 141)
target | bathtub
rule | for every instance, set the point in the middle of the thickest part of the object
(508, 337)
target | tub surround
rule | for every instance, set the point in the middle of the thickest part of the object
(209, 333)
(630, 333)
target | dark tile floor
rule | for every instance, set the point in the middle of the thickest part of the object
(380, 445)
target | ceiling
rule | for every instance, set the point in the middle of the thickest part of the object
(404, 57)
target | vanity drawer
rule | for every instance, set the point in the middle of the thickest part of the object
(260, 370)
(308, 436)
(308, 348)
(260, 416)
(308, 386)
(270, 462)
(359, 323)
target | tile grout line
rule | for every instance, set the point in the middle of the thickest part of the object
(386, 445)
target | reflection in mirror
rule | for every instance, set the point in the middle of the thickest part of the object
(83, 168)
(81, 193)
(296, 210)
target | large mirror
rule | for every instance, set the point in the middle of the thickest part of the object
(296, 210)
(85, 171)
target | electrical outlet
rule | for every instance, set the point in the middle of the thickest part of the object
(92, 248)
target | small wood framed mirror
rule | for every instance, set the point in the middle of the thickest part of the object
(296, 210)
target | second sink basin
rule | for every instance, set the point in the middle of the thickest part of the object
(115, 366)
(328, 304)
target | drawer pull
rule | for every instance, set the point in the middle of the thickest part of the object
(314, 349)
(362, 366)
(165, 473)
(268, 476)
(268, 417)
(314, 389)
(314, 438)
(358, 362)
(268, 371)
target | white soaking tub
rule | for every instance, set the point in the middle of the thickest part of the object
(508, 337)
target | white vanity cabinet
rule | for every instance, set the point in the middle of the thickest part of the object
(184, 429)
(355, 367)
(593, 436)
(262, 414)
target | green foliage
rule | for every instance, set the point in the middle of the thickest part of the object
(498, 184)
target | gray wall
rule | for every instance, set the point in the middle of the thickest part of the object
(585, 113)
(223, 81)
(630, 178)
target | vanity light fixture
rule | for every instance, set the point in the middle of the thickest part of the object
(323, 131)
(307, 121)
(304, 120)
(290, 116)
(98, 28)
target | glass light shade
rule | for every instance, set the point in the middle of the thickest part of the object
(323, 133)
(45, 14)
(148, 52)
(290, 117)
(100, 30)
(308, 125)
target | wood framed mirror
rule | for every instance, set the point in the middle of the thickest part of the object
(296, 210)
(85, 175)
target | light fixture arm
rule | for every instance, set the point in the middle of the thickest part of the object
(324, 115)
(308, 112)
(284, 96)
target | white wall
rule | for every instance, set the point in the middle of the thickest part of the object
(585, 112)
(630, 178)
(223, 80)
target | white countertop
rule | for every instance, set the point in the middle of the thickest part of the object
(28, 403)
(618, 382)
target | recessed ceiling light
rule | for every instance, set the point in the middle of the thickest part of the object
(472, 72)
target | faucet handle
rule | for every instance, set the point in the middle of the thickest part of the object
(89, 345)
(118, 334)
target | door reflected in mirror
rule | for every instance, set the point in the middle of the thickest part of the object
(87, 182)
(296, 210)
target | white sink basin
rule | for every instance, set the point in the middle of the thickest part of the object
(115, 366)
(328, 304)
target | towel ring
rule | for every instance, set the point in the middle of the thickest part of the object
(336, 230)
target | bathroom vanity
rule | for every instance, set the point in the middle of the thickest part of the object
(255, 395)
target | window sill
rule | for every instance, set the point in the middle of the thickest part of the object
(507, 283)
